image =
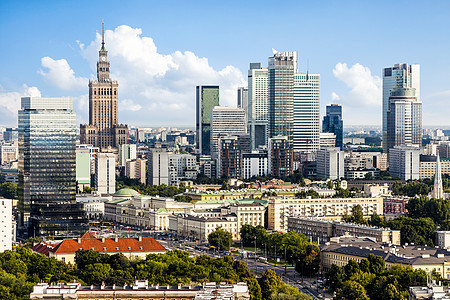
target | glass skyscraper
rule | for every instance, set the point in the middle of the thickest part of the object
(206, 97)
(282, 67)
(257, 105)
(332, 122)
(396, 77)
(47, 175)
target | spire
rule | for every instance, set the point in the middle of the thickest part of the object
(438, 189)
(103, 35)
(307, 70)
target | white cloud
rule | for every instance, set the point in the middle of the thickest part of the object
(436, 108)
(363, 96)
(162, 86)
(60, 74)
(10, 103)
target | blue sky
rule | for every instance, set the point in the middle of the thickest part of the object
(159, 51)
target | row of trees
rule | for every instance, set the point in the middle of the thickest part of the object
(370, 279)
(294, 246)
(20, 270)
(8, 190)
(162, 190)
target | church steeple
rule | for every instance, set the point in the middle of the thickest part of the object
(438, 192)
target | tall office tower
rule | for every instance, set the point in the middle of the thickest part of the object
(206, 97)
(225, 121)
(242, 101)
(404, 118)
(230, 162)
(103, 129)
(438, 190)
(280, 154)
(257, 104)
(282, 67)
(333, 123)
(307, 113)
(398, 76)
(404, 162)
(330, 163)
(105, 173)
(47, 178)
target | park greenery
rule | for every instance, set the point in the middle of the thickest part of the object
(162, 190)
(20, 270)
(220, 239)
(299, 252)
(8, 190)
(370, 279)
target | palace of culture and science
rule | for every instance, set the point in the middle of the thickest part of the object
(103, 130)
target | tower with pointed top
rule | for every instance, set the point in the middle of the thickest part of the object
(103, 130)
(438, 192)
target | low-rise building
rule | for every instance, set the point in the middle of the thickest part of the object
(443, 239)
(376, 190)
(395, 205)
(130, 247)
(9, 152)
(429, 259)
(141, 290)
(321, 231)
(280, 208)
(430, 292)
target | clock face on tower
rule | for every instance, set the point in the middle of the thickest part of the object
(103, 58)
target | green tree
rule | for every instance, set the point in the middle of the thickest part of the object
(8, 190)
(351, 290)
(335, 277)
(220, 238)
(269, 283)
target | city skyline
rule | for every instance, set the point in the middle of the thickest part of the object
(160, 54)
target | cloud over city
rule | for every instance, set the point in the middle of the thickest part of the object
(10, 102)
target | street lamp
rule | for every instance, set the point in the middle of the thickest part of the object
(285, 266)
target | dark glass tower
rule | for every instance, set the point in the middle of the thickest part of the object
(206, 97)
(47, 181)
(332, 122)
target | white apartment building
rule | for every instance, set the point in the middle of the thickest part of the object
(126, 152)
(158, 167)
(105, 173)
(255, 164)
(330, 163)
(306, 113)
(136, 169)
(6, 225)
(280, 208)
(92, 153)
(225, 121)
(404, 162)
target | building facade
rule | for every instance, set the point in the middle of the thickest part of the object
(306, 113)
(330, 163)
(226, 121)
(126, 152)
(103, 130)
(256, 164)
(206, 98)
(105, 173)
(398, 76)
(6, 225)
(281, 70)
(404, 162)
(136, 169)
(9, 152)
(258, 104)
(332, 122)
(281, 157)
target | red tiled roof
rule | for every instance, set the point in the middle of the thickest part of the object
(147, 244)
(42, 248)
(87, 235)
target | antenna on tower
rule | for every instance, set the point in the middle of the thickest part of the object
(103, 35)
(307, 69)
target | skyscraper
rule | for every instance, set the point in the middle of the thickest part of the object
(280, 155)
(103, 129)
(398, 76)
(242, 101)
(47, 178)
(282, 67)
(257, 104)
(404, 118)
(225, 121)
(306, 113)
(206, 96)
(333, 123)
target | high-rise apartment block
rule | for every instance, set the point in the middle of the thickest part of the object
(258, 104)
(280, 155)
(158, 167)
(404, 118)
(126, 152)
(397, 77)
(281, 70)
(105, 173)
(404, 162)
(83, 168)
(231, 149)
(225, 121)
(136, 169)
(47, 178)
(103, 130)
(256, 163)
(330, 163)
(206, 98)
(332, 122)
(306, 113)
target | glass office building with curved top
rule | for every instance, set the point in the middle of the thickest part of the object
(47, 173)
